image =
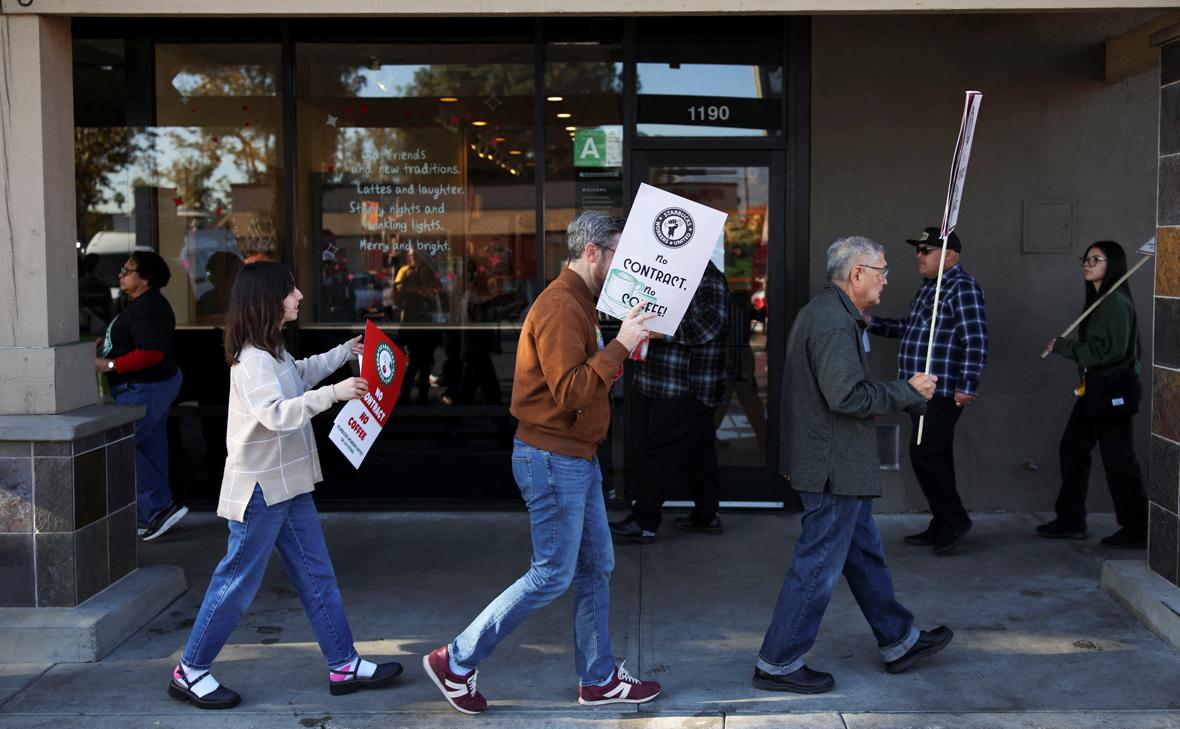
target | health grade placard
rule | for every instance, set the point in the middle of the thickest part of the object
(383, 365)
(661, 256)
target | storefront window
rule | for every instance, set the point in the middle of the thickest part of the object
(693, 81)
(583, 138)
(418, 186)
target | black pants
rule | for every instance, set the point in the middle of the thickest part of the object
(680, 447)
(1115, 441)
(934, 464)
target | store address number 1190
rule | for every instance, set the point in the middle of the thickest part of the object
(708, 113)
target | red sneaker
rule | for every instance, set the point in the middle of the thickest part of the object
(622, 689)
(459, 691)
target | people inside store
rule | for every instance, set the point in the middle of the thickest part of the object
(94, 297)
(1106, 352)
(137, 357)
(560, 398)
(221, 271)
(417, 289)
(266, 491)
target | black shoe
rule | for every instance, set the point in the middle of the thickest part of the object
(164, 521)
(948, 540)
(181, 689)
(803, 681)
(349, 682)
(629, 530)
(927, 645)
(921, 539)
(1124, 539)
(713, 526)
(1055, 530)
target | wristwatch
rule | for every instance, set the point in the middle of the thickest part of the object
(111, 365)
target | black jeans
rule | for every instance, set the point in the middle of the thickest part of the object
(1115, 439)
(680, 446)
(934, 464)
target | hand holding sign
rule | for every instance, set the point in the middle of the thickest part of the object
(634, 327)
(361, 420)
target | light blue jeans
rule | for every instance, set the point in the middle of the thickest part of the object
(293, 527)
(152, 491)
(571, 546)
(839, 536)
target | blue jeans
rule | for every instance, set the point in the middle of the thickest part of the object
(152, 492)
(293, 526)
(571, 545)
(839, 535)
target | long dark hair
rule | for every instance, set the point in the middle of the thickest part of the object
(255, 314)
(1116, 266)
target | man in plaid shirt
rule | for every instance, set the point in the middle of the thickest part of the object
(680, 385)
(960, 351)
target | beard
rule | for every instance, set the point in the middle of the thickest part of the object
(598, 275)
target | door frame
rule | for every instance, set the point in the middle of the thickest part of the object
(782, 275)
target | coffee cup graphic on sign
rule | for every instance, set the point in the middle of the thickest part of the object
(620, 288)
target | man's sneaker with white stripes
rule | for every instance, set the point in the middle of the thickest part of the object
(623, 688)
(459, 691)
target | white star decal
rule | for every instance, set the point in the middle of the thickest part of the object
(331, 121)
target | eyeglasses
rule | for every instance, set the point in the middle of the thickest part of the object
(124, 271)
(883, 269)
(923, 250)
(1091, 260)
(602, 247)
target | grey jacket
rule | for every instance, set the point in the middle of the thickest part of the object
(829, 400)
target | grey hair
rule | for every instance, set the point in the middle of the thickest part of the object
(846, 252)
(592, 226)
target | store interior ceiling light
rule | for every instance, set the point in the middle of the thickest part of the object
(478, 123)
(514, 151)
(570, 129)
(564, 115)
(448, 99)
(554, 98)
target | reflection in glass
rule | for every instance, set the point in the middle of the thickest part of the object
(743, 193)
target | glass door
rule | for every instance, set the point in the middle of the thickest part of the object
(748, 185)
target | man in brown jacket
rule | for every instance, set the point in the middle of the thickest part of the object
(559, 395)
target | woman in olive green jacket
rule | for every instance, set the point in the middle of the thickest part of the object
(1107, 354)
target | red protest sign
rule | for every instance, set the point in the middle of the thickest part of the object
(383, 365)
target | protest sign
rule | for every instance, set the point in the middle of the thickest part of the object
(383, 366)
(661, 256)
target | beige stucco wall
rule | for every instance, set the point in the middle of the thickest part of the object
(542, 7)
(887, 96)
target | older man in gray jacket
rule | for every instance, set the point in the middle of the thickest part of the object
(830, 454)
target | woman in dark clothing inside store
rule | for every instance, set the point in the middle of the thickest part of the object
(136, 354)
(1107, 354)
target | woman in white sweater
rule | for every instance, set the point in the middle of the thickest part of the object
(270, 472)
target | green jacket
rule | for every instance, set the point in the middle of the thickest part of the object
(1111, 343)
(829, 401)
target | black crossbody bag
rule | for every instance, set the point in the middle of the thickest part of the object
(1111, 395)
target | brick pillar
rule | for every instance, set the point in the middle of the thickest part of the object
(1163, 542)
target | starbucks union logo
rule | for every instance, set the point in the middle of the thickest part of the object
(386, 365)
(673, 227)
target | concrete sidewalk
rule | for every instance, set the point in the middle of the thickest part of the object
(1037, 643)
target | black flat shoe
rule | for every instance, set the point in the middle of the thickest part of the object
(181, 689)
(803, 681)
(384, 674)
(949, 541)
(1123, 539)
(1055, 530)
(629, 530)
(921, 539)
(927, 645)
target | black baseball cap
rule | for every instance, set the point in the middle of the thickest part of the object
(931, 237)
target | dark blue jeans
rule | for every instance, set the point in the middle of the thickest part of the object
(839, 536)
(152, 492)
(293, 527)
(571, 546)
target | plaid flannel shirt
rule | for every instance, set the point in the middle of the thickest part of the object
(960, 341)
(692, 361)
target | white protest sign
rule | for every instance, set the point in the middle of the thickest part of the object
(954, 192)
(661, 256)
(353, 432)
